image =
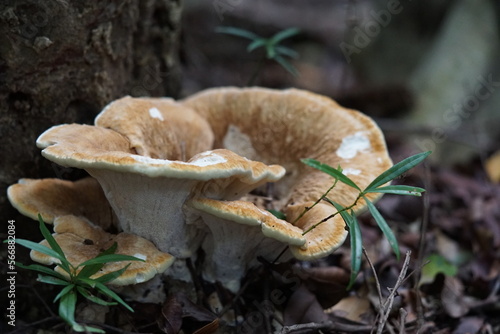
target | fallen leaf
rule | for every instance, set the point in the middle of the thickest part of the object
(353, 308)
(437, 264)
(492, 167)
(452, 296)
(469, 325)
(303, 307)
(170, 321)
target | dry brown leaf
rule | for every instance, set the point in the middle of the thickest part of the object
(493, 167)
(353, 308)
(303, 307)
(469, 325)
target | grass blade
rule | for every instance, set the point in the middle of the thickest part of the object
(40, 248)
(283, 50)
(109, 258)
(112, 275)
(355, 238)
(396, 170)
(91, 269)
(52, 280)
(50, 239)
(85, 293)
(67, 307)
(64, 291)
(277, 214)
(398, 190)
(330, 171)
(384, 227)
(286, 65)
(41, 269)
(104, 289)
(237, 32)
(278, 37)
(256, 44)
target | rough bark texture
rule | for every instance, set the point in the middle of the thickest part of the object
(62, 61)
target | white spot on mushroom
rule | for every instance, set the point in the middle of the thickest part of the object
(141, 256)
(353, 144)
(148, 160)
(155, 113)
(351, 171)
(208, 160)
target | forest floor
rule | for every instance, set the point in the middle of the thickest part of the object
(447, 280)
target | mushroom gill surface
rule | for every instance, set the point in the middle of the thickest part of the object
(284, 126)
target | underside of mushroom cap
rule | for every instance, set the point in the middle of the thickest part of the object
(283, 127)
(55, 197)
(81, 240)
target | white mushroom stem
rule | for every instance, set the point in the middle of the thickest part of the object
(240, 232)
(150, 207)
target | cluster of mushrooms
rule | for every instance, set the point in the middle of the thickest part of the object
(170, 177)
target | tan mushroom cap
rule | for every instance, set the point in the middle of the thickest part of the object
(80, 241)
(147, 191)
(240, 233)
(246, 213)
(54, 197)
(93, 148)
(158, 128)
(283, 127)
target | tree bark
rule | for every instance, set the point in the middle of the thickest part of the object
(63, 61)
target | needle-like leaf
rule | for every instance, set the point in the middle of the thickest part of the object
(52, 280)
(237, 32)
(397, 170)
(109, 258)
(64, 291)
(384, 227)
(41, 269)
(398, 190)
(330, 171)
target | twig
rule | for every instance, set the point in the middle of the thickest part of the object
(22, 328)
(328, 325)
(421, 247)
(386, 309)
(377, 282)
(402, 320)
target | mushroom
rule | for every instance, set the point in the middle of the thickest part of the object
(283, 127)
(80, 240)
(240, 232)
(125, 152)
(176, 173)
(54, 197)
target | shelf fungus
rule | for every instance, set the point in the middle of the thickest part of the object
(81, 240)
(179, 173)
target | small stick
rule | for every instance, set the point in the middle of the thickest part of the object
(377, 282)
(390, 300)
(402, 320)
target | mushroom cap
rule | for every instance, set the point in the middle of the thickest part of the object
(94, 148)
(55, 197)
(283, 127)
(239, 233)
(81, 240)
(147, 191)
(246, 213)
(158, 128)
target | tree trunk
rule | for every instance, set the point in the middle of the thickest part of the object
(63, 61)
